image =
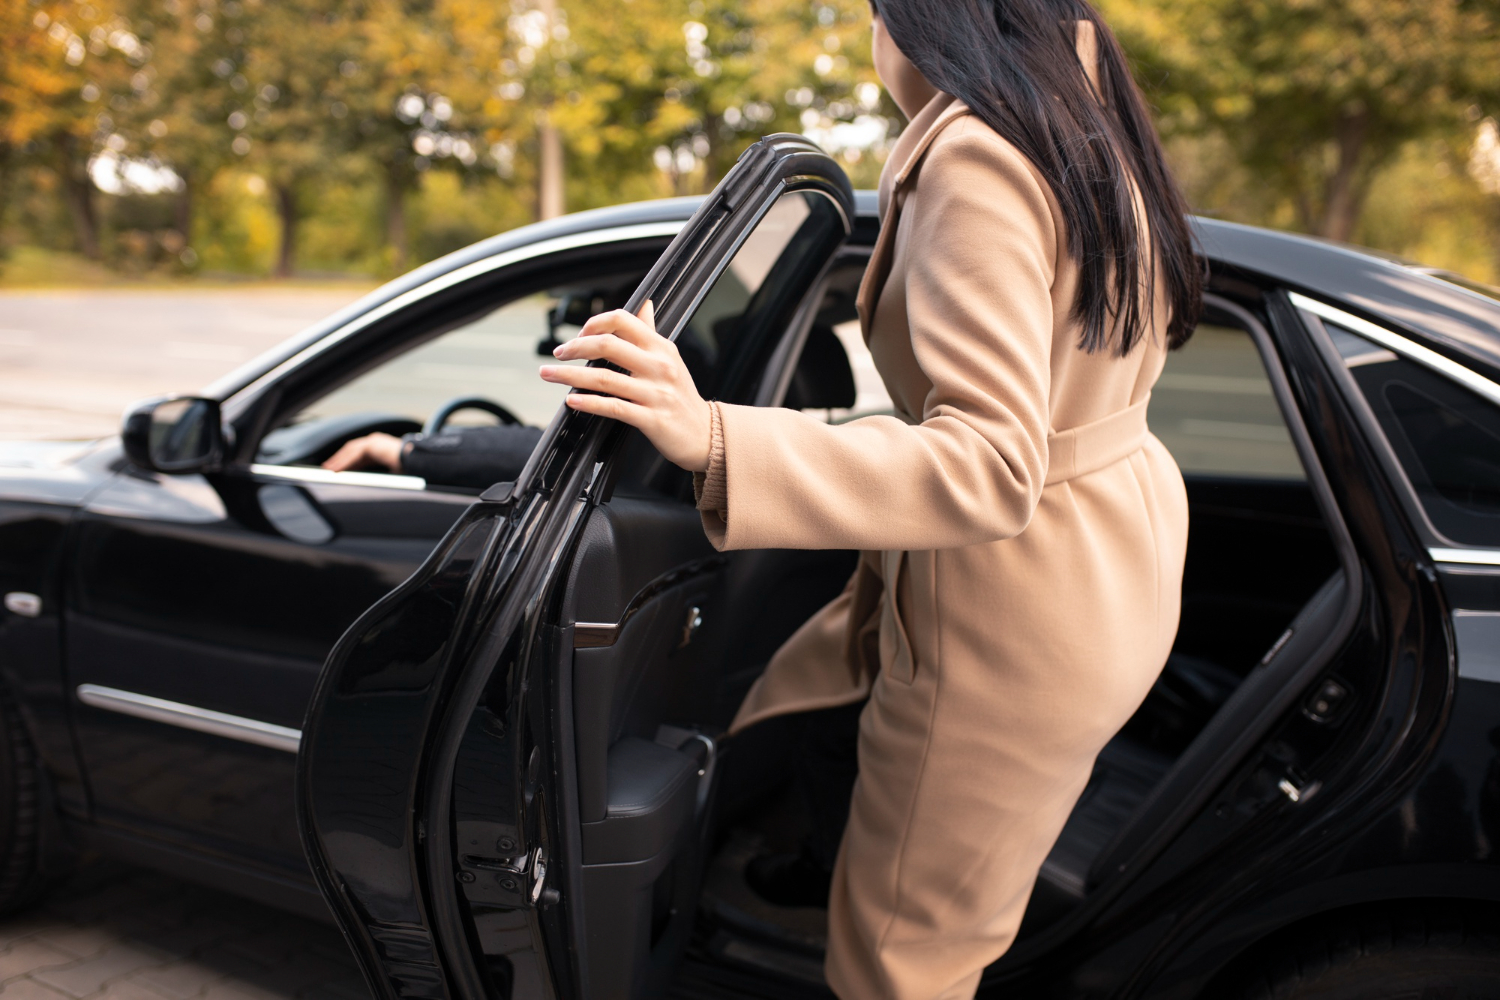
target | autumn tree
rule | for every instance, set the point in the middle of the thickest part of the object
(411, 104)
(657, 93)
(181, 119)
(68, 69)
(1314, 96)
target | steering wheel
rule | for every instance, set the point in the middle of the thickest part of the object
(444, 413)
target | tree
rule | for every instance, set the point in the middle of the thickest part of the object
(655, 94)
(68, 69)
(1314, 96)
(401, 118)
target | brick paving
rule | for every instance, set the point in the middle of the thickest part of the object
(117, 932)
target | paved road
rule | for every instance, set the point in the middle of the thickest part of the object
(115, 932)
(69, 364)
(71, 361)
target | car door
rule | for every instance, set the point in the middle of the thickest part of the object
(500, 785)
(201, 606)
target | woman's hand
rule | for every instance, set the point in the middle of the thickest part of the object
(657, 396)
(372, 450)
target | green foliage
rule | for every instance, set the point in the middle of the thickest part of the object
(361, 136)
(1315, 97)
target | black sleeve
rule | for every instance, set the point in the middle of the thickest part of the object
(470, 456)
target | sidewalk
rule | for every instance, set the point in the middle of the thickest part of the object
(115, 932)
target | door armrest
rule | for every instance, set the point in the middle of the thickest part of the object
(651, 799)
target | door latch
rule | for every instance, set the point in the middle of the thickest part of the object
(1296, 787)
(539, 878)
(692, 623)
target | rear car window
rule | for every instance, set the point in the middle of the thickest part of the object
(1446, 438)
(1214, 410)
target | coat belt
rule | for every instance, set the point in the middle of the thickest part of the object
(1090, 447)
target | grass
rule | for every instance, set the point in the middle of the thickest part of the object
(26, 267)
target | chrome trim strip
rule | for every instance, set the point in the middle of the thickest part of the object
(1474, 557)
(1478, 635)
(594, 635)
(1400, 345)
(200, 720)
(309, 474)
(645, 230)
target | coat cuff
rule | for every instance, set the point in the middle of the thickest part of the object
(711, 487)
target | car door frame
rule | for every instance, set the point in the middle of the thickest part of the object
(366, 338)
(1171, 920)
(409, 931)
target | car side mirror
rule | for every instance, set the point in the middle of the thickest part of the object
(174, 434)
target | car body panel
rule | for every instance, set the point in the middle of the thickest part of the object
(1411, 802)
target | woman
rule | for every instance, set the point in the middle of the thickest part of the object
(1022, 532)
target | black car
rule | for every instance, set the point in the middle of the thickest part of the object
(484, 728)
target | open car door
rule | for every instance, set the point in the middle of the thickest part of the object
(502, 783)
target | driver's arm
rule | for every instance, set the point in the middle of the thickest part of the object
(380, 451)
(456, 456)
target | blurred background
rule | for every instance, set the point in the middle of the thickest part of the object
(206, 176)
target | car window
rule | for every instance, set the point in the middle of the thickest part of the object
(738, 322)
(1214, 410)
(1446, 438)
(493, 357)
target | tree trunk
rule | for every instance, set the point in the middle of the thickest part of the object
(550, 200)
(78, 192)
(182, 208)
(395, 216)
(1346, 188)
(286, 208)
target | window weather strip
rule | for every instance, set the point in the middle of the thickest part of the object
(200, 720)
(1424, 356)
(1472, 557)
(309, 474)
(1427, 358)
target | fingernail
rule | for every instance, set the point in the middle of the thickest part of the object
(545, 371)
(557, 351)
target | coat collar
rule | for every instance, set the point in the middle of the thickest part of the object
(899, 166)
(913, 142)
(907, 154)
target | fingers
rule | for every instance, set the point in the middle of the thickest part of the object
(648, 314)
(347, 457)
(597, 380)
(606, 347)
(637, 330)
(609, 406)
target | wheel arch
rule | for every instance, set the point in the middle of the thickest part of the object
(1200, 971)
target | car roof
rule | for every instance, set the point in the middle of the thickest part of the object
(1386, 291)
(1382, 289)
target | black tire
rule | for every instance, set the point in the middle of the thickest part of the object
(21, 876)
(1425, 951)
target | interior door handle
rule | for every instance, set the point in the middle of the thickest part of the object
(593, 635)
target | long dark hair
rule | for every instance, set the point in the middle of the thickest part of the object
(1015, 64)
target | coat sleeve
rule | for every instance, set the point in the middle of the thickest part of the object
(980, 257)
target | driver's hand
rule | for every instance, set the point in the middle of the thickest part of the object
(371, 451)
(658, 395)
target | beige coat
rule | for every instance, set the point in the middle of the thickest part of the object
(1023, 540)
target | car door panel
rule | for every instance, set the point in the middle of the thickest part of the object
(645, 580)
(541, 776)
(186, 589)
